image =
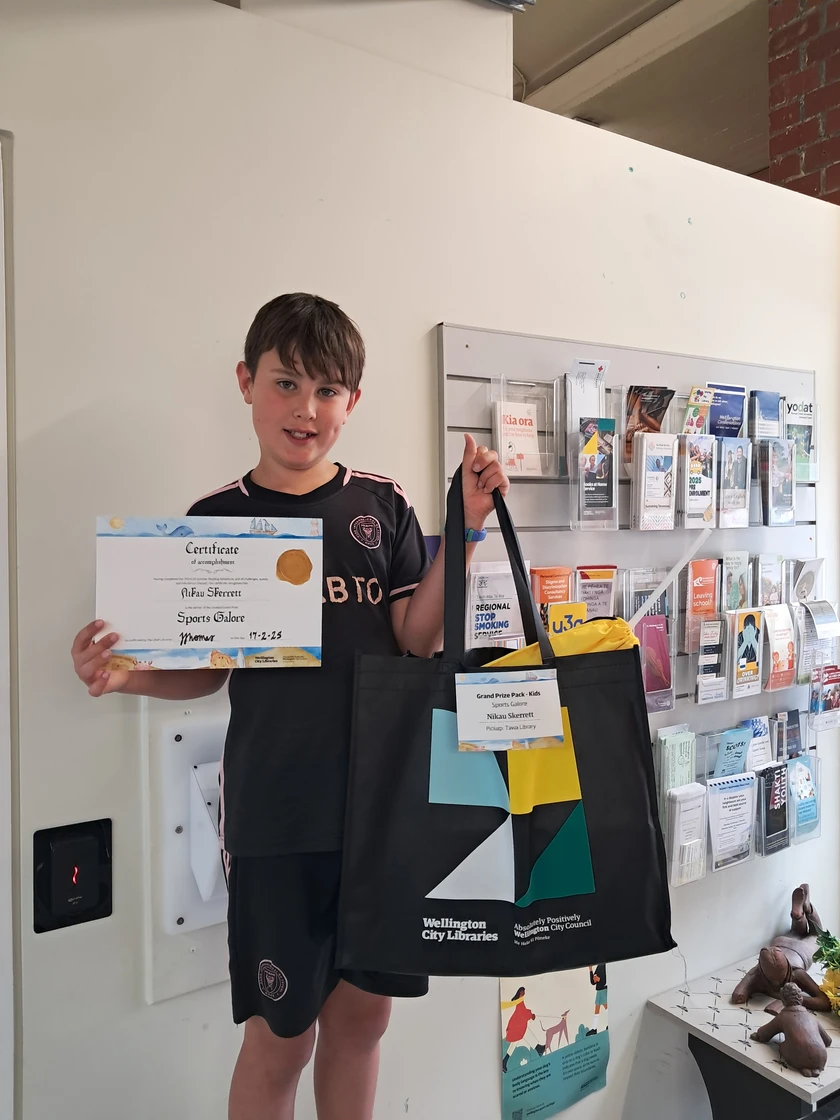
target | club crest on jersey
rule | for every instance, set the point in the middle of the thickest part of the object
(272, 981)
(367, 531)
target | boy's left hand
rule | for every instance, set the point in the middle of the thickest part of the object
(482, 474)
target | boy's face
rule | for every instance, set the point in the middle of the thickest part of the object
(297, 418)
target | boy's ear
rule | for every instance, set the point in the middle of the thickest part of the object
(246, 382)
(353, 400)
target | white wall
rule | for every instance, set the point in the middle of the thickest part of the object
(174, 169)
(469, 41)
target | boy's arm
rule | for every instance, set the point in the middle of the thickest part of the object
(175, 684)
(91, 660)
(418, 621)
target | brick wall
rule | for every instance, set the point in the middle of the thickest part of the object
(805, 96)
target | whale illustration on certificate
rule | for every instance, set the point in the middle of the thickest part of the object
(211, 592)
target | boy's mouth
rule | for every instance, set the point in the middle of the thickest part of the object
(299, 434)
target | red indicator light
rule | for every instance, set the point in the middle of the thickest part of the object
(75, 875)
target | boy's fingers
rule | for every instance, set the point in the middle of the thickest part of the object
(97, 687)
(493, 478)
(96, 651)
(470, 452)
(86, 636)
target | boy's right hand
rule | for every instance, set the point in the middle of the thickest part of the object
(90, 660)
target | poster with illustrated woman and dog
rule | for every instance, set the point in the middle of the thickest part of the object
(555, 1041)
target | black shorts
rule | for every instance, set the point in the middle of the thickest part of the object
(282, 915)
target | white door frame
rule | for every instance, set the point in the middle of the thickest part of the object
(8, 815)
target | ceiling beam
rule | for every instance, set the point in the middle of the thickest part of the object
(662, 34)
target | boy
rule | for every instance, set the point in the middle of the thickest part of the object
(285, 761)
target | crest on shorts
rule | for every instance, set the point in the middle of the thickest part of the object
(272, 981)
(367, 531)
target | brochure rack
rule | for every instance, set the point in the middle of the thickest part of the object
(479, 367)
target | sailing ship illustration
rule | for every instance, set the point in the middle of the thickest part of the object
(261, 527)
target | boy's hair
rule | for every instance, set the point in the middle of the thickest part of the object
(315, 331)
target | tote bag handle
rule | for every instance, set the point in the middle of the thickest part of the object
(455, 577)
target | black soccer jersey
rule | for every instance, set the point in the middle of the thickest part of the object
(284, 773)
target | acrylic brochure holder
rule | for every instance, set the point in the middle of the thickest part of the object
(697, 482)
(779, 648)
(746, 651)
(655, 630)
(526, 434)
(596, 466)
(709, 635)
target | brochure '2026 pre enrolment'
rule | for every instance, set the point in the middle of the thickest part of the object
(211, 592)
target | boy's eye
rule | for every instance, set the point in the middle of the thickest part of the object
(329, 392)
(285, 384)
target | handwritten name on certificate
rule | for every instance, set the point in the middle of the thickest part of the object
(211, 592)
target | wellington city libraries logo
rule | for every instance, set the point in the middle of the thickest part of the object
(367, 531)
(273, 983)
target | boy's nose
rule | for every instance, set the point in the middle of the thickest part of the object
(305, 410)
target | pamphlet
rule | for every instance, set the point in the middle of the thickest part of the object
(804, 794)
(676, 760)
(808, 579)
(735, 590)
(516, 437)
(746, 632)
(766, 414)
(685, 833)
(795, 744)
(733, 483)
(652, 632)
(768, 581)
(700, 597)
(781, 646)
(726, 416)
(492, 607)
(732, 752)
(698, 474)
(697, 409)
(646, 409)
(731, 819)
(773, 833)
(801, 428)
(760, 752)
(596, 588)
(711, 674)
(585, 394)
(653, 494)
(818, 629)
(597, 471)
(550, 585)
(778, 487)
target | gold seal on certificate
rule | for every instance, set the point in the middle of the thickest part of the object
(211, 592)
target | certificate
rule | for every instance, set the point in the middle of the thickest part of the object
(211, 592)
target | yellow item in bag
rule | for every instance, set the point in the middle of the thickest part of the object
(601, 635)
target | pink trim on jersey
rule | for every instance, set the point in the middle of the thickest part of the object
(399, 590)
(221, 490)
(222, 802)
(348, 474)
(382, 478)
(241, 485)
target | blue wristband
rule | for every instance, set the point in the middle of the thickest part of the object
(473, 536)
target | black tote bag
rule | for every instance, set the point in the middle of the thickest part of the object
(482, 864)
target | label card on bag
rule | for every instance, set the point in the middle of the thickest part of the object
(508, 711)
